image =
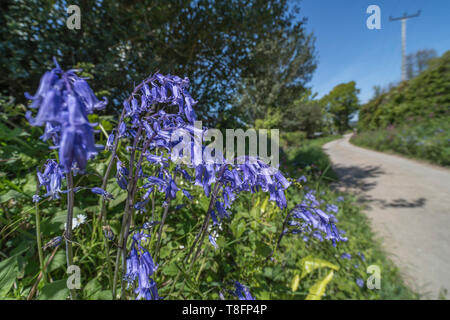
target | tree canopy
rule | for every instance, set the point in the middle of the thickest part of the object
(342, 102)
(220, 45)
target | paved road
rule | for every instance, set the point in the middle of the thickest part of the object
(408, 203)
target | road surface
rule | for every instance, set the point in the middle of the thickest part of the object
(408, 203)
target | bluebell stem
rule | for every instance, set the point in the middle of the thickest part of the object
(64, 101)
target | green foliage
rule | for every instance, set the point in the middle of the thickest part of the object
(342, 103)
(428, 139)
(425, 96)
(244, 243)
(213, 43)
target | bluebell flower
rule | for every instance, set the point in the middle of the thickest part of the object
(212, 240)
(362, 256)
(110, 142)
(242, 292)
(360, 282)
(311, 219)
(53, 243)
(141, 266)
(108, 232)
(346, 256)
(51, 179)
(106, 195)
(63, 101)
(332, 208)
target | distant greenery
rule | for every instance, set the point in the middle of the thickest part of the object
(427, 139)
(413, 117)
(423, 97)
(342, 103)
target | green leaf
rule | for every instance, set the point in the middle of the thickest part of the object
(317, 290)
(295, 283)
(9, 269)
(309, 264)
(56, 290)
(58, 261)
(11, 194)
(102, 295)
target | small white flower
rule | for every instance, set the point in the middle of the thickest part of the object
(181, 247)
(77, 221)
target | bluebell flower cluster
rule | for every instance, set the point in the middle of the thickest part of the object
(309, 218)
(64, 101)
(161, 137)
(141, 266)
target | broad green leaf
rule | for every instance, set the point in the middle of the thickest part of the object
(11, 194)
(309, 264)
(317, 290)
(102, 295)
(92, 288)
(9, 270)
(295, 283)
(59, 260)
(56, 290)
(264, 205)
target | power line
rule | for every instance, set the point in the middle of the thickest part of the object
(403, 19)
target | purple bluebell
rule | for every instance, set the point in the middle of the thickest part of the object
(51, 179)
(313, 219)
(212, 240)
(53, 243)
(242, 292)
(360, 282)
(63, 101)
(346, 256)
(106, 195)
(110, 142)
(140, 266)
(362, 256)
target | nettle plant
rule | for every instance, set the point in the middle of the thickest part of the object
(164, 153)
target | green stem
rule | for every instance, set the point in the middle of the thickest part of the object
(38, 236)
(68, 232)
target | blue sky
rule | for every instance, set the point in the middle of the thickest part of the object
(348, 50)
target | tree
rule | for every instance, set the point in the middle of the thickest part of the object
(281, 67)
(213, 42)
(342, 102)
(417, 62)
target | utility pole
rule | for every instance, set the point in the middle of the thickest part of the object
(403, 19)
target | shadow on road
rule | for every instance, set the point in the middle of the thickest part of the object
(359, 180)
(355, 177)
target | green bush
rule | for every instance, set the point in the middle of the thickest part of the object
(428, 140)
